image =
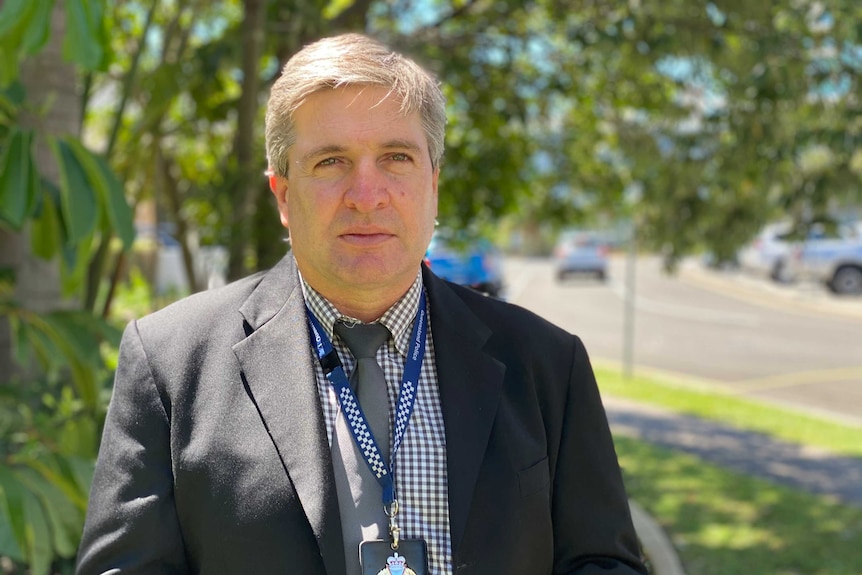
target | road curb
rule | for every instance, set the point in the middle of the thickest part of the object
(765, 294)
(700, 384)
(657, 547)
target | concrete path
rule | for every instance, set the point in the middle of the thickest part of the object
(656, 545)
(752, 453)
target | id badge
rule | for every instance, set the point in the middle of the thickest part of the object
(378, 558)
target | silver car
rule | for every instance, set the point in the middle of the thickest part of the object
(832, 257)
(769, 253)
(581, 253)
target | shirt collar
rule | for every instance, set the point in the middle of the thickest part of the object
(398, 319)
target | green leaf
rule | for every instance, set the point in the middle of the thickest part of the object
(81, 436)
(32, 335)
(99, 30)
(24, 28)
(97, 327)
(17, 186)
(335, 7)
(119, 210)
(8, 546)
(110, 190)
(14, 14)
(78, 201)
(38, 29)
(12, 509)
(64, 517)
(81, 470)
(39, 550)
(46, 231)
(62, 472)
(13, 96)
(75, 337)
(86, 383)
(75, 260)
(81, 44)
(8, 61)
(21, 342)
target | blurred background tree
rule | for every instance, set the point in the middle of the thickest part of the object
(701, 121)
(59, 203)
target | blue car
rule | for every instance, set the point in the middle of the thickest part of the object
(474, 262)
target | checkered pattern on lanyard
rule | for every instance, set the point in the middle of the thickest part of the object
(420, 464)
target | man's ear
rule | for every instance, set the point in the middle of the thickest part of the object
(435, 178)
(278, 187)
(273, 179)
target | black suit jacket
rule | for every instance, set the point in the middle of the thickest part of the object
(214, 457)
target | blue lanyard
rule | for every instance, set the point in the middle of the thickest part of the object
(351, 409)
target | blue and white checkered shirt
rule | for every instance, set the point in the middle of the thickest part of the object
(420, 464)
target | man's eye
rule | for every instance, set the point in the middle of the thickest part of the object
(327, 162)
(400, 157)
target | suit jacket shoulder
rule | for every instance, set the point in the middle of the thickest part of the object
(532, 469)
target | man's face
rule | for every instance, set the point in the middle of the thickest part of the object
(360, 198)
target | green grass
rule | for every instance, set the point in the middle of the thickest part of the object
(724, 523)
(735, 411)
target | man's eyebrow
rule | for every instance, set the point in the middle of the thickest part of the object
(396, 144)
(401, 144)
(321, 151)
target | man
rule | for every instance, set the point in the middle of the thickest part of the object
(231, 443)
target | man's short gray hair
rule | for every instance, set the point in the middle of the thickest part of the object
(351, 60)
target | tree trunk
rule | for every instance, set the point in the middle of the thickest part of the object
(52, 89)
(354, 18)
(170, 189)
(249, 168)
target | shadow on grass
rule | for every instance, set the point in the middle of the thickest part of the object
(726, 523)
(746, 452)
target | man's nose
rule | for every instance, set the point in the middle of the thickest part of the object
(368, 187)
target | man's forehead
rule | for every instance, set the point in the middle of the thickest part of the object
(369, 96)
(354, 114)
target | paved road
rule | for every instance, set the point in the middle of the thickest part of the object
(787, 345)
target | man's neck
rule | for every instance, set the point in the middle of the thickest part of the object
(366, 312)
(366, 305)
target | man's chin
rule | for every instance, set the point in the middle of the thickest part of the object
(374, 273)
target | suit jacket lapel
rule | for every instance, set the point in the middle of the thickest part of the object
(278, 371)
(277, 367)
(470, 382)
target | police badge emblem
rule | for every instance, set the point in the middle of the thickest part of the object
(411, 558)
(396, 565)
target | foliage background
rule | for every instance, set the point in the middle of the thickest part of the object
(695, 121)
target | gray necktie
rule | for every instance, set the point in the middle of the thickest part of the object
(360, 498)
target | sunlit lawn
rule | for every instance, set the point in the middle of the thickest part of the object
(736, 411)
(724, 523)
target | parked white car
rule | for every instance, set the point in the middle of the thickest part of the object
(831, 258)
(829, 255)
(769, 253)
